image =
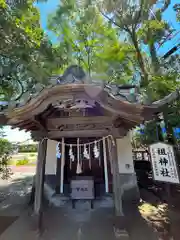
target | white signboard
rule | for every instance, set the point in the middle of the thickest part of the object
(82, 189)
(163, 163)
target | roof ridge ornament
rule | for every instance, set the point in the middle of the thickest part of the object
(73, 74)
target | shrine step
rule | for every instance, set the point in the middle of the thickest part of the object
(104, 202)
(56, 200)
(59, 200)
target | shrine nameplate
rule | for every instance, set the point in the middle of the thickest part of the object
(82, 189)
(164, 163)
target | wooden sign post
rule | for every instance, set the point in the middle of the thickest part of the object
(164, 167)
(164, 163)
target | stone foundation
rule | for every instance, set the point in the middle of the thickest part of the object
(129, 190)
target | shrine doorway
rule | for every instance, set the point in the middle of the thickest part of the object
(93, 166)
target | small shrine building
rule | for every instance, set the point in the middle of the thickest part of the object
(84, 129)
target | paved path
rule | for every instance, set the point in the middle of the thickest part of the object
(17, 182)
(23, 169)
(64, 223)
(81, 223)
(14, 196)
(58, 224)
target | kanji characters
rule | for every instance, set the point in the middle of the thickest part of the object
(161, 151)
(163, 161)
(165, 172)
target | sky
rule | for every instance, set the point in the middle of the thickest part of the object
(49, 7)
(170, 17)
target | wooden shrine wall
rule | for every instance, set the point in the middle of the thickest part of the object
(93, 167)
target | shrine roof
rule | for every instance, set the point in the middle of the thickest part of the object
(75, 90)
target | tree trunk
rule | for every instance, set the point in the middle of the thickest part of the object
(154, 59)
(144, 81)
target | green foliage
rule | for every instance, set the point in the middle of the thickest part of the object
(145, 136)
(85, 38)
(161, 86)
(32, 155)
(5, 151)
(141, 27)
(103, 37)
(26, 54)
(5, 146)
(22, 162)
(28, 148)
(107, 37)
(172, 119)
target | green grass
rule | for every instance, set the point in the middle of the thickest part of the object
(23, 159)
(21, 162)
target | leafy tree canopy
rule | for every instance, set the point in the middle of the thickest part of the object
(120, 38)
(140, 23)
(26, 54)
(86, 39)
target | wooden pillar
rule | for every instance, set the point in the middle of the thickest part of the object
(105, 166)
(39, 180)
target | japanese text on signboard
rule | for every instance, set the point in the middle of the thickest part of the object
(82, 189)
(164, 163)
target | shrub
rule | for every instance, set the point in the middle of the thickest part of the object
(32, 155)
(5, 151)
(28, 148)
(21, 162)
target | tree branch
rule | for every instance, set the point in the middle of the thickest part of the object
(139, 58)
(135, 42)
(138, 16)
(166, 5)
(110, 20)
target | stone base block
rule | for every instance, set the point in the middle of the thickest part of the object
(129, 188)
(129, 191)
(120, 226)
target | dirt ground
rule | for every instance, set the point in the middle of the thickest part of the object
(162, 216)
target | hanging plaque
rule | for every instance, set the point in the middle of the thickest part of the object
(163, 163)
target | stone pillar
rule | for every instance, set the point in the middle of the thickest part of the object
(127, 177)
(115, 171)
(120, 222)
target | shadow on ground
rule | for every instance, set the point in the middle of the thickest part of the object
(6, 222)
(164, 218)
(14, 198)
